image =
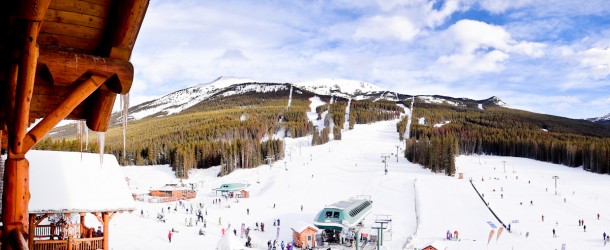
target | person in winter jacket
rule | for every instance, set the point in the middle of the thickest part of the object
(282, 245)
(169, 236)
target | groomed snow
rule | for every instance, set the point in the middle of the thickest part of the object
(321, 175)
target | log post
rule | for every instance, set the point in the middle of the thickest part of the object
(82, 225)
(106, 221)
(16, 194)
(32, 226)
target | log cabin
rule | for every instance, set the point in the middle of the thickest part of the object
(59, 59)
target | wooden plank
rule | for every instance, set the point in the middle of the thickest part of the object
(82, 44)
(67, 17)
(82, 7)
(72, 30)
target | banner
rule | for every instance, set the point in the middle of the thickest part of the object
(491, 235)
(499, 233)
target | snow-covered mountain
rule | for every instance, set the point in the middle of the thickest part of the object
(227, 86)
(339, 87)
(184, 98)
(603, 119)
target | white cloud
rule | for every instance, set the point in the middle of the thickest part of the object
(499, 6)
(383, 27)
(597, 61)
(474, 47)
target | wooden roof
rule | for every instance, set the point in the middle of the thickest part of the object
(77, 39)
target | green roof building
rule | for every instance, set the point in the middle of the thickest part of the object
(343, 214)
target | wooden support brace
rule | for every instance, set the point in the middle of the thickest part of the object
(75, 98)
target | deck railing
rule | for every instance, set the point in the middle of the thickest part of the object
(50, 232)
(88, 243)
(70, 244)
(50, 245)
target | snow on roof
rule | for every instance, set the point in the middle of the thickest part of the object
(345, 204)
(438, 245)
(63, 182)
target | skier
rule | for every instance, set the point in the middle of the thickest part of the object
(605, 238)
(247, 211)
(302, 211)
(282, 245)
(554, 236)
(169, 236)
(278, 222)
(584, 227)
(543, 218)
(579, 223)
(262, 227)
(273, 205)
(598, 216)
(219, 221)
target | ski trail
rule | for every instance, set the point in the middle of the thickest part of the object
(290, 97)
(410, 119)
(347, 110)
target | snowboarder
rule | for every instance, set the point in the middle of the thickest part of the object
(554, 236)
(169, 236)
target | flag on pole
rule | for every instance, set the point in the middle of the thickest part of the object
(499, 233)
(491, 235)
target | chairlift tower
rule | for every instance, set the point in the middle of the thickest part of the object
(385, 161)
(556, 178)
(397, 147)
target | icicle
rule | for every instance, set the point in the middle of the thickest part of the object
(86, 139)
(125, 106)
(79, 136)
(101, 138)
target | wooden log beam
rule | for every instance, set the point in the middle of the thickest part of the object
(78, 95)
(100, 109)
(130, 15)
(66, 67)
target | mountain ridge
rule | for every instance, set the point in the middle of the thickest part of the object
(183, 99)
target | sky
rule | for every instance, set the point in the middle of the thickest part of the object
(545, 56)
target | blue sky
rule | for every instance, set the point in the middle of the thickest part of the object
(546, 56)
